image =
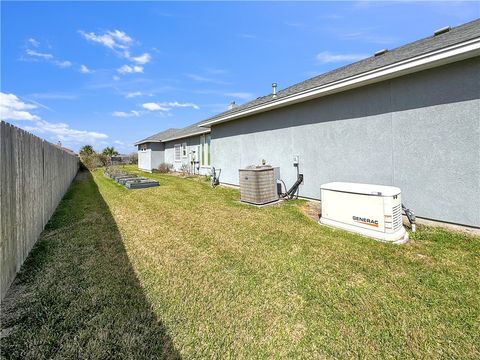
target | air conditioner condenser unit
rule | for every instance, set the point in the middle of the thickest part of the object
(370, 210)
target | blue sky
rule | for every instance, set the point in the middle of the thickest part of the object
(111, 73)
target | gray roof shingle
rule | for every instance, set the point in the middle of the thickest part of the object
(158, 137)
(172, 134)
(456, 35)
(187, 131)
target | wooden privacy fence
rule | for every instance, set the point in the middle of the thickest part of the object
(34, 176)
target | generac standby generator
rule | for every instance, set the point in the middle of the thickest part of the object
(371, 210)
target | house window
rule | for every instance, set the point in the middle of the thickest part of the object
(178, 152)
(142, 147)
(205, 157)
(184, 150)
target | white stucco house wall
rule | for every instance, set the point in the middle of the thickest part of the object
(184, 149)
(406, 117)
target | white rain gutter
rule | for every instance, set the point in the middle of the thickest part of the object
(432, 59)
(145, 142)
(186, 136)
(172, 138)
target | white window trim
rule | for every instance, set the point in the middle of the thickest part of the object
(184, 146)
(203, 141)
(175, 152)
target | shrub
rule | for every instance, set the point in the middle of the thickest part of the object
(185, 169)
(164, 168)
(93, 160)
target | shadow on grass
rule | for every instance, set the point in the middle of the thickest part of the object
(77, 295)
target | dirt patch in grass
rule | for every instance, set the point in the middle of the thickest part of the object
(312, 209)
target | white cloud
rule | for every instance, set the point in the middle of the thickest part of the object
(368, 36)
(331, 16)
(216, 71)
(137, 94)
(134, 94)
(12, 108)
(115, 77)
(63, 64)
(154, 107)
(48, 57)
(167, 106)
(240, 95)
(142, 59)
(201, 78)
(114, 40)
(54, 96)
(327, 57)
(176, 104)
(33, 42)
(120, 36)
(198, 77)
(39, 54)
(64, 133)
(119, 42)
(127, 69)
(85, 70)
(125, 114)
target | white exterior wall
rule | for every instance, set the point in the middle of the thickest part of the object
(144, 160)
(193, 144)
(420, 132)
(150, 158)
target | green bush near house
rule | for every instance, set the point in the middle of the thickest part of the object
(185, 270)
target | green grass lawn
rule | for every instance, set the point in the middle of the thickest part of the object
(186, 271)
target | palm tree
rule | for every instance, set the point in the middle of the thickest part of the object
(86, 150)
(109, 151)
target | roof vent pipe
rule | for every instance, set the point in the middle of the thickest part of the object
(232, 105)
(442, 30)
(381, 52)
(274, 90)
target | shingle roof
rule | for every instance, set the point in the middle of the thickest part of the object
(454, 36)
(158, 137)
(172, 134)
(187, 131)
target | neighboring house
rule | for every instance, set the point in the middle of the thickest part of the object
(184, 149)
(408, 117)
(120, 159)
(70, 151)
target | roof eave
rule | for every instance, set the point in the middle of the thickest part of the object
(146, 141)
(457, 52)
(187, 136)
